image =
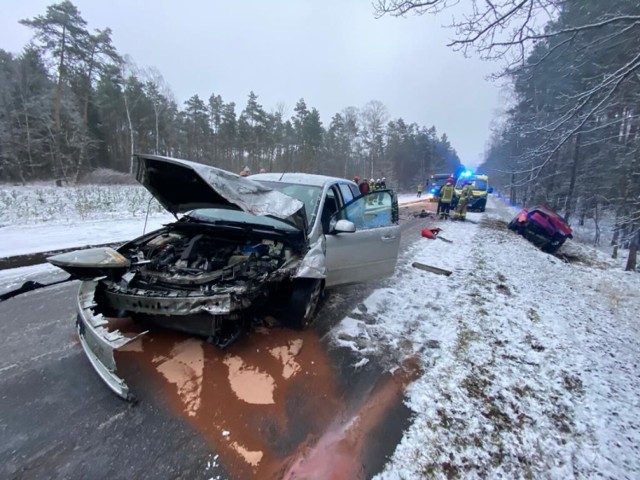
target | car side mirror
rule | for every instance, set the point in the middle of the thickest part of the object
(344, 226)
(490, 189)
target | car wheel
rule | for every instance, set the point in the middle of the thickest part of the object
(553, 246)
(302, 303)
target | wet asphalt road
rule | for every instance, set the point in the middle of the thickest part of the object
(58, 420)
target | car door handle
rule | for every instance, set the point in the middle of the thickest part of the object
(388, 238)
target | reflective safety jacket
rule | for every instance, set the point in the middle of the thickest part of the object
(446, 193)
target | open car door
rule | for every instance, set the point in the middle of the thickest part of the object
(371, 251)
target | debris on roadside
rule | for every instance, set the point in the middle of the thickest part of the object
(429, 268)
(433, 233)
(423, 214)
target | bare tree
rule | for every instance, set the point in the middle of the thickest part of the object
(374, 115)
(160, 94)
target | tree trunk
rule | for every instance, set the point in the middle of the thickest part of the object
(596, 220)
(512, 190)
(155, 110)
(28, 131)
(85, 108)
(58, 98)
(633, 253)
(574, 172)
(616, 235)
(130, 123)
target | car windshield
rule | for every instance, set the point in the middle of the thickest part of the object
(439, 182)
(307, 194)
(476, 184)
(238, 216)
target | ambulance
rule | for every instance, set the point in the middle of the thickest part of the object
(480, 187)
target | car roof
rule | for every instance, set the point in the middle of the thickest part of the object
(301, 178)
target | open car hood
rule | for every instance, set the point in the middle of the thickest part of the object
(181, 186)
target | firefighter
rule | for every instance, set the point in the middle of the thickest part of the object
(420, 187)
(446, 197)
(463, 203)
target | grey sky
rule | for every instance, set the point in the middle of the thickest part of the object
(334, 53)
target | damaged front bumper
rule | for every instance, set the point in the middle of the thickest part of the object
(148, 303)
(98, 342)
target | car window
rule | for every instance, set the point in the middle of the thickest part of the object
(479, 185)
(355, 190)
(347, 194)
(439, 181)
(330, 207)
(372, 210)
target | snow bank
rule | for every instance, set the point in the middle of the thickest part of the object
(530, 362)
(38, 204)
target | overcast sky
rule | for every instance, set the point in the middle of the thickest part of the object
(333, 53)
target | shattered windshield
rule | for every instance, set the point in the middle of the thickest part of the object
(307, 194)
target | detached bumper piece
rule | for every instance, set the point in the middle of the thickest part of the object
(98, 342)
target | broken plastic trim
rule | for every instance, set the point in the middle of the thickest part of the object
(98, 342)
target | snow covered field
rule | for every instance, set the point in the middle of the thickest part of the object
(41, 218)
(530, 363)
(36, 204)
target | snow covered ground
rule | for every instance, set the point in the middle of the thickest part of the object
(45, 237)
(37, 204)
(530, 363)
(43, 218)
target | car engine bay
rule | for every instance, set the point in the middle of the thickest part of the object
(204, 261)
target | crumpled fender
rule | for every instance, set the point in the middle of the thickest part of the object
(314, 264)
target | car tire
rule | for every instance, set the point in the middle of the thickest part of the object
(302, 303)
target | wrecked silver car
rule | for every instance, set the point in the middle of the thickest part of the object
(240, 247)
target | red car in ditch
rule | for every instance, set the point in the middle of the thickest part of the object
(543, 227)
